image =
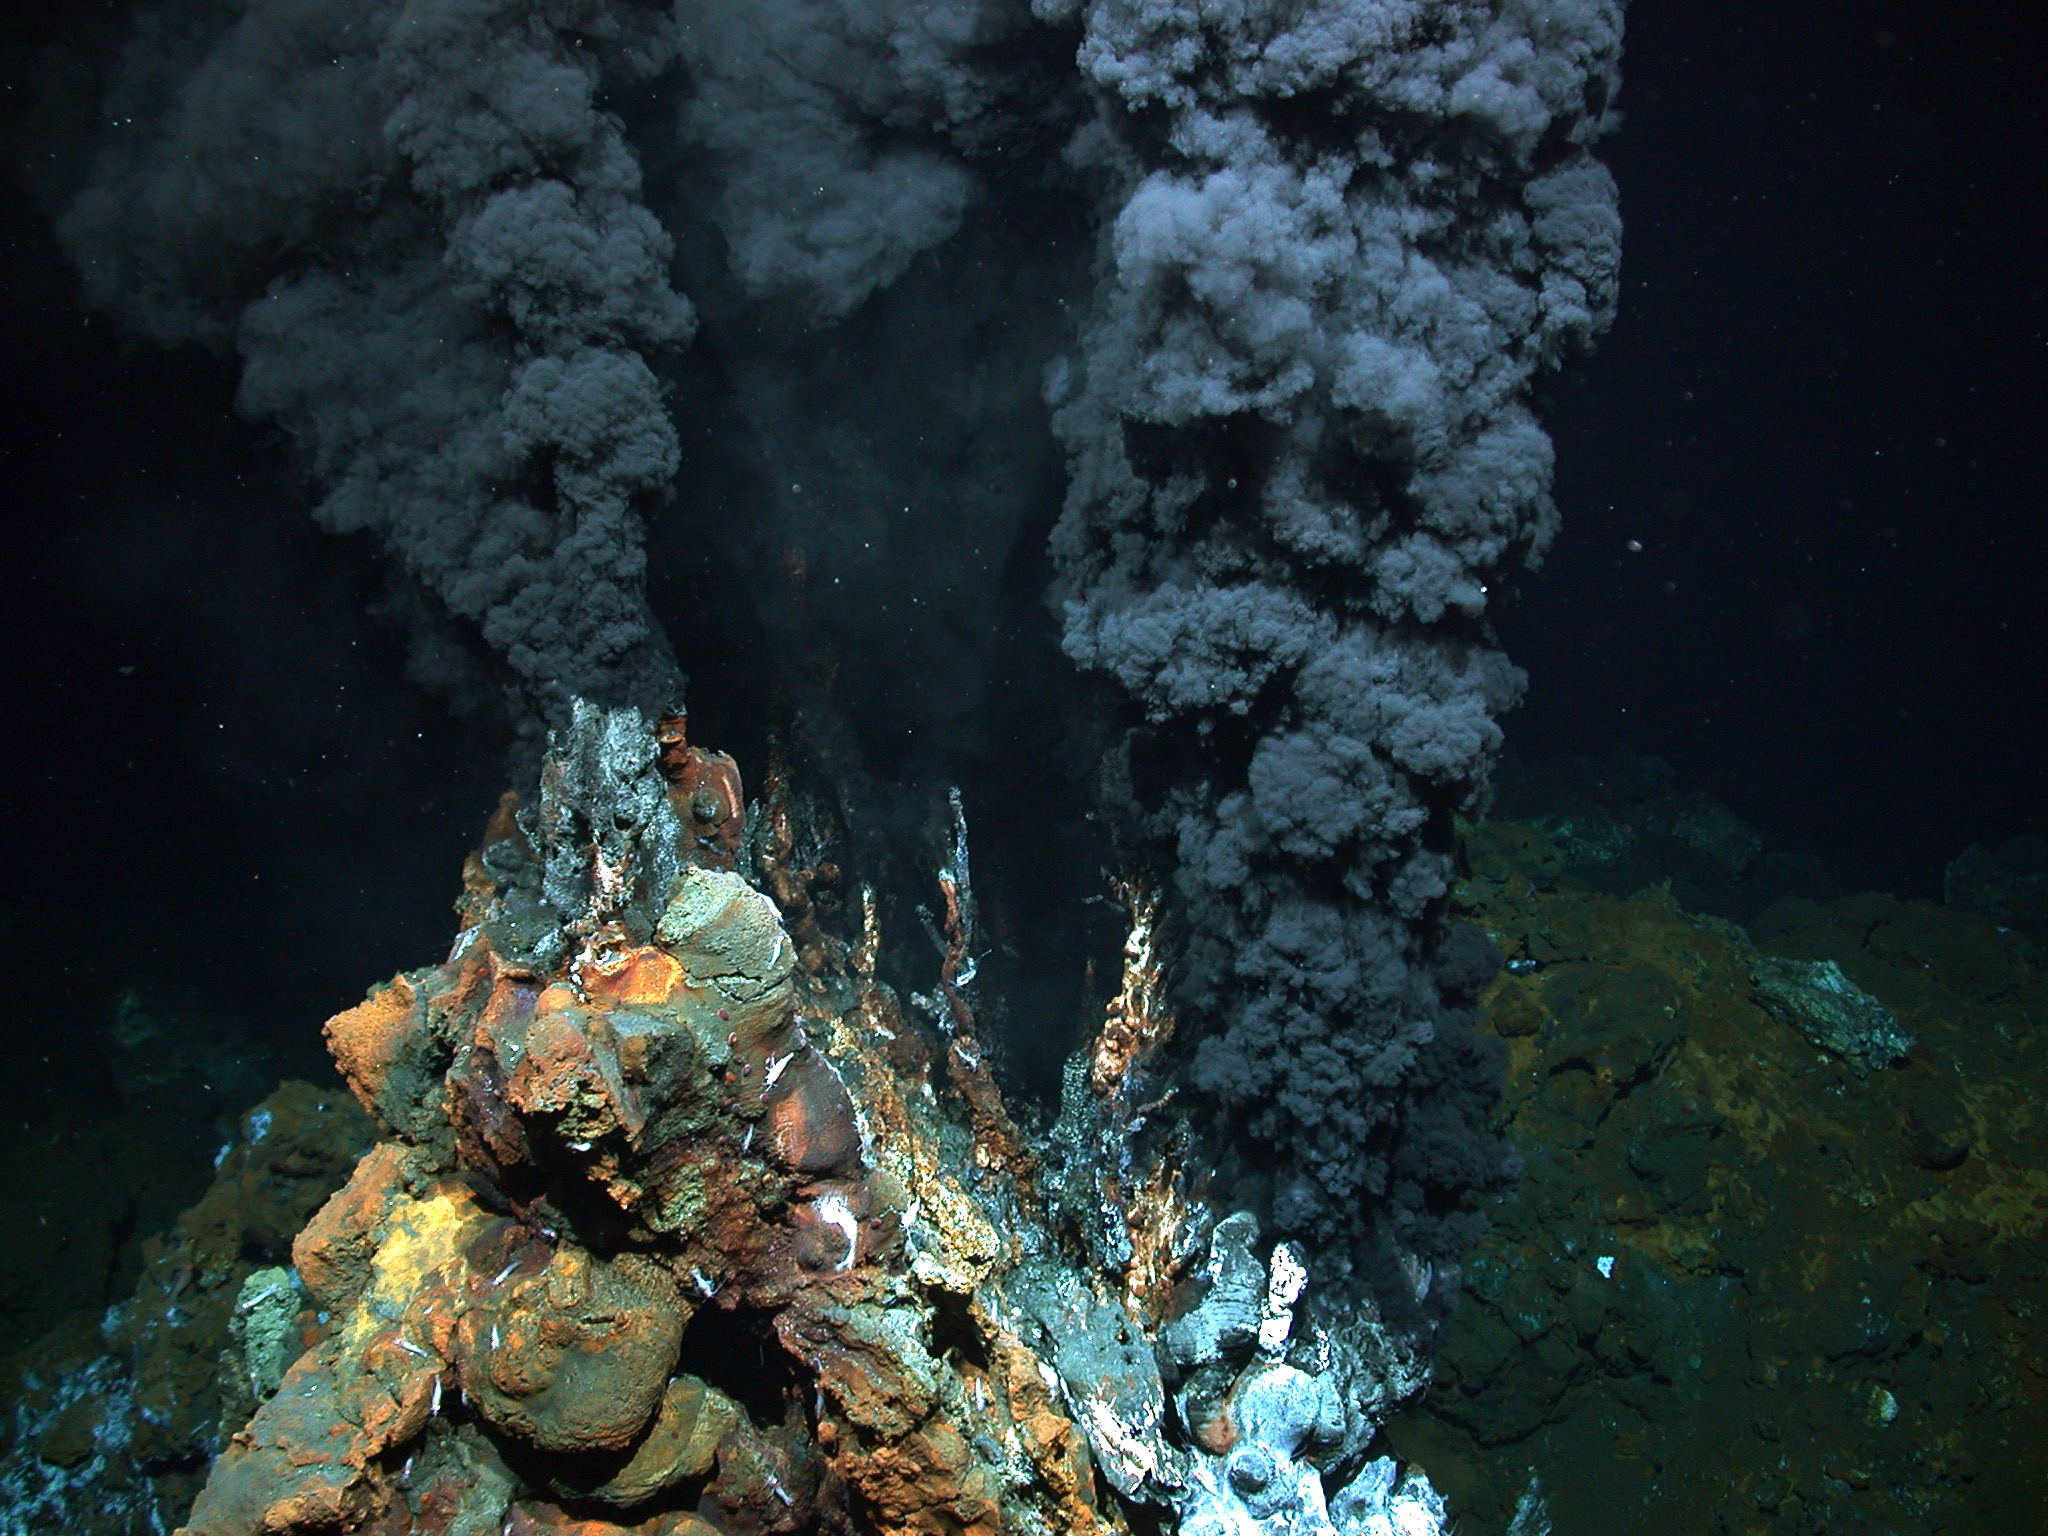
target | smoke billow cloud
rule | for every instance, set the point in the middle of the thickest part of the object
(1244, 306)
(1348, 240)
(827, 123)
(422, 233)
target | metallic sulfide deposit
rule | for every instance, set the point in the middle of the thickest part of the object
(675, 1227)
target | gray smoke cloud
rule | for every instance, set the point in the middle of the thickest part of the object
(1275, 283)
(421, 231)
(1346, 242)
(829, 123)
(882, 239)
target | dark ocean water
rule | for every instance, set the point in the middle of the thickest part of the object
(1800, 566)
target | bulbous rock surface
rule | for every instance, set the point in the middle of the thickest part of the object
(574, 1356)
(635, 1241)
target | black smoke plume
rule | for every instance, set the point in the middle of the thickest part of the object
(1346, 242)
(422, 232)
(1228, 319)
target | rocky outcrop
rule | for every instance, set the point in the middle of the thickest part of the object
(676, 1227)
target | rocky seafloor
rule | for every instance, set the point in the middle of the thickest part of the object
(1779, 1255)
(674, 1219)
(662, 1213)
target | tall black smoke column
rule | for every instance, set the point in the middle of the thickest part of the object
(1348, 240)
(422, 232)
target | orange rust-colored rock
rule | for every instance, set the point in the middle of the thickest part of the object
(1056, 1445)
(480, 888)
(335, 1251)
(926, 1481)
(622, 1195)
(313, 1452)
(367, 1040)
(557, 1075)
(538, 1519)
(643, 977)
(304, 1463)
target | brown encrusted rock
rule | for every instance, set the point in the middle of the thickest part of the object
(633, 1086)
(827, 1226)
(531, 1517)
(372, 1040)
(683, 1443)
(298, 1466)
(1055, 1444)
(893, 1442)
(589, 1070)
(811, 1124)
(728, 936)
(456, 1483)
(565, 1079)
(929, 1481)
(617, 1126)
(393, 1048)
(611, 1073)
(334, 1252)
(575, 1356)
(311, 1457)
(704, 790)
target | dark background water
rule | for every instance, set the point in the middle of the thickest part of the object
(1818, 416)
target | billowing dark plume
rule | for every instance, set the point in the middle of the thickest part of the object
(1337, 245)
(1347, 241)
(830, 124)
(423, 233)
